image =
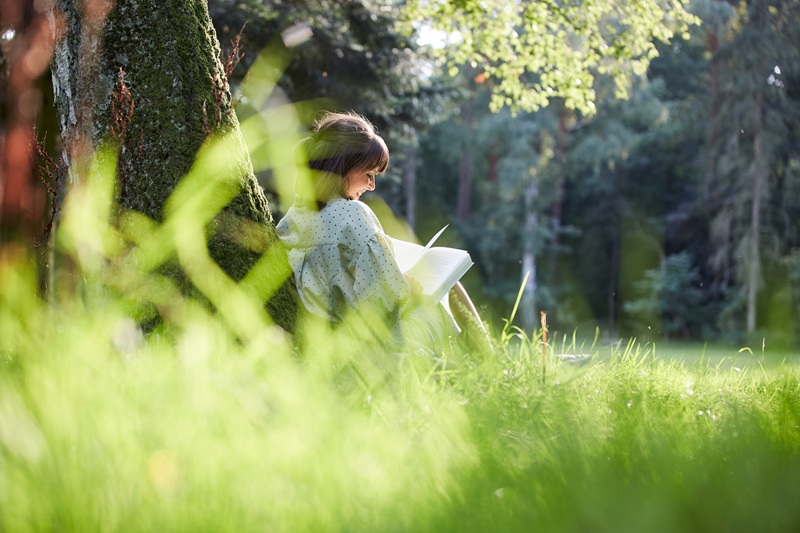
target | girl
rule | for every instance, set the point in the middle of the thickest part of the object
(341, 258)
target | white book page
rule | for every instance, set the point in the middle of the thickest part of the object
(439, 269)
(436, 269)
(407, 254)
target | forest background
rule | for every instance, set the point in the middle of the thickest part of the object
(671, 212)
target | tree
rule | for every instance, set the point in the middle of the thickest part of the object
(529, 53)
(509, 158)
(669, 302)
(752, 139)
(346, 55)
(148, 77)
(537, 51)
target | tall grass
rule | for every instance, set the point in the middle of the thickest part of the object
(203, 427)
(218, 421)
(192, 429)
(633, 444)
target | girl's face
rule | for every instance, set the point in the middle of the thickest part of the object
(358, 182)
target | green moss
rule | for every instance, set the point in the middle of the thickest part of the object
(169, 54)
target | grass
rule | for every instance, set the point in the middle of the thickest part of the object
(727, 356)
(215, 422)
(636, 444)
(192, 429)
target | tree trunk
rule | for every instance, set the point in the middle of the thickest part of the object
(562, 140)
(494, 159)
(164, 58)
(465, 169)
(713, 95)
(528, 303)
(715, 191)
(615, 222)
(410, 184)
(759, 170)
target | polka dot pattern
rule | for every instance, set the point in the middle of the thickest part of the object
(342, 259)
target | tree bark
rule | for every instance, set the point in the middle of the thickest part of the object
(465, 167)
(615, 222)
(528, 303)
(759, 171)
(165, 55)
(493, 160)
(562, 140)
(410, 184)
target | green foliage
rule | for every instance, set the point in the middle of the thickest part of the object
(783, 310)
(219, 423)
(670, 301)
(792, 264)
(352, 55)
(752, 143)
(537, 51)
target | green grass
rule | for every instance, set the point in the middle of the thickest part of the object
(215, 422)
(195, 429)
(637, 444)
(727, 356)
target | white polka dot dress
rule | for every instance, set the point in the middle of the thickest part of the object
(342, 259)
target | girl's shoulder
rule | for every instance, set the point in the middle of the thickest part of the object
(341, 221)
(353, 211)
(354, 221)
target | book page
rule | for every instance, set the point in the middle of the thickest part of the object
(433, 239)
(439, 269)
(436, 268)
(407, 254)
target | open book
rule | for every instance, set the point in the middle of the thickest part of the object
(436, 268)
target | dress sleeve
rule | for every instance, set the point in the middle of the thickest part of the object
(377, 279)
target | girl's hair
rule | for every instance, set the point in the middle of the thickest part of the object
(339, 143)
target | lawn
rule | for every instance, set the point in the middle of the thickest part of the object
(216, 421)
(196, 429)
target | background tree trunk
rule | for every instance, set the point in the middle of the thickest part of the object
(531, 225)
(562, 141)
(464, 198)
(614, 219)
(759, 171)
(410, 183)
(167, 55)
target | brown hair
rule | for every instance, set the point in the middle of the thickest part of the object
(338, 144)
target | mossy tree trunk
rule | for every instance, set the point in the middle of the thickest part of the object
(165, 55)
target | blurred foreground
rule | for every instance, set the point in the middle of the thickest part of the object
(217, 422)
